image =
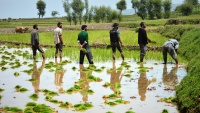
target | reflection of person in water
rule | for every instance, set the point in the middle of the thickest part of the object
(170, 79)
(59, 76)
(116, 76)
(84, 84)
(36, 75)
(143, 83)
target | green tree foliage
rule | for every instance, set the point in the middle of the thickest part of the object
(121, 5)
(186, 9)
(135, 5)
(191, 2)
(85, 17)
(158, 8)
(54, 13)
(150, 9)
(78, 7)
(142, 10)
(67, 9)
(41, 5)
(90, 15)
(167, 8)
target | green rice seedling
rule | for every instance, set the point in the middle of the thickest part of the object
(48, 98)
(164, 111)
(16, 74)
(13, 109)
(34, 96)
(52, 93)
(23, 89)
(32, 80)
(117, 85)
(39, 108)
(111, 96)
(65, 105)
(1, 90)
(30, 65)
(106, 84)
(93, 78)
(111, 103)
(28, 71)
(103, 67)
(31, 104)
(127, 75)
(18, 87)
(3, 62)
(129, 111)
(54, 101)
(74, 68)
(51, 70)
(3, 68)
(0, 97)
(92, 67)
(120, 101)
(25, 63)
(77, 87)
(84, 50)
(85, 69)
(98, 70)
(11, 63)
(109, 112)
(118, 92)
(90, 91)
(82, 107)
(120, 68)
(70, 90)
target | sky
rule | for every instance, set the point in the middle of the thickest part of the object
(28, 8)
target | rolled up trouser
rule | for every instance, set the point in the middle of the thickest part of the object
(88, 55)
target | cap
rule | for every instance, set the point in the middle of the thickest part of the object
(115, 24)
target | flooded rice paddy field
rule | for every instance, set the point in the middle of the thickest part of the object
(117, 86)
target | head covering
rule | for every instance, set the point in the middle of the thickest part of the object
(115, 24)
(59, 23)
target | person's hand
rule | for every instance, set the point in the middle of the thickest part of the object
(122, 45)
(80, 47)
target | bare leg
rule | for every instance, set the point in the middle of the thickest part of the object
(60, 54)
(43, 56)
(122, 55)
(56, 53)
(141, 58)
(113, 55)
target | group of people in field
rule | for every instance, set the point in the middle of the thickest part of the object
(170, 46)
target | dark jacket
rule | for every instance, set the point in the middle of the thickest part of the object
(114, 35)
(142, 36)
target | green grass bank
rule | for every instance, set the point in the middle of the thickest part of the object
(188, 91)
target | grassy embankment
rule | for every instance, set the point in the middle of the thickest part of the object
(188, 91)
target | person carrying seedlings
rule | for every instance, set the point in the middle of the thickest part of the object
(58, 41)
(142, 40)
(84, 45)
(115, 41)
(35, 42)
(171, 47)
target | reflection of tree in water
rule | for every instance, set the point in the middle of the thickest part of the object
(170, 79)
(36, 75)
(84, 84)
(116, 77)
(143, 83)
(59, 75)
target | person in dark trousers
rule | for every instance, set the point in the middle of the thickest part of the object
(171, 47)
(35, 42)
(142, 40)
(115, 41)
(84, 46)
(58, 41)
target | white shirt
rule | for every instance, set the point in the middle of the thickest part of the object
(57, 33)
(174, 43)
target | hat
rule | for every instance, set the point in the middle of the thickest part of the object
(59, 23)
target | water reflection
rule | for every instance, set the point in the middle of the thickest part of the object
(59, 73)
(143, 83)
(36, 75)
(85, 83)
(170, 79)
(116, 77)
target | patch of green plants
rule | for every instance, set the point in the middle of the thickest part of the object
(90, 91)
(164, 111)
(65, 105)
(31, 104)
(0, 97)
(1, 90)
(38, 108)
(106, 84)
(32, 80)
(129, 111)
(12, 109)
(127, 75)
(34, 96)
(20, 88)
(48, 97)
(83, 107)
(3, 68)
(16, 73)
(93, 78)
(75, 88)
(116, 102)
(28, 71)
(54, 101)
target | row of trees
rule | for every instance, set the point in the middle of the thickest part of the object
(75, 9)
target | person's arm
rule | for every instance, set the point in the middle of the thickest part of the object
(145, 35)
(60, 37)
(118, 33)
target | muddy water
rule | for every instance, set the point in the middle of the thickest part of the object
(141, 90)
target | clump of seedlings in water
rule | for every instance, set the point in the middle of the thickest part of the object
(164, 111)
(20, 88)
(28, 71)
(1, 90)
(90, 91)
(34, 96)
(3, 62)
(129, 111)
(0, 97)
(109, 112)
(116, 102)
(74, 68)
(82, 107)
(75, 88)
(48, 92)
(54, 101)
(144, 69)
(93, 78)
(32, 80)
(16, 74)
(65, 105)
(106, 84)
(48, 98)
(127, 75)
(12, 109)
(32, 107)
(3, 68)
(30, 65)
(168, 100)
(17, 64)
